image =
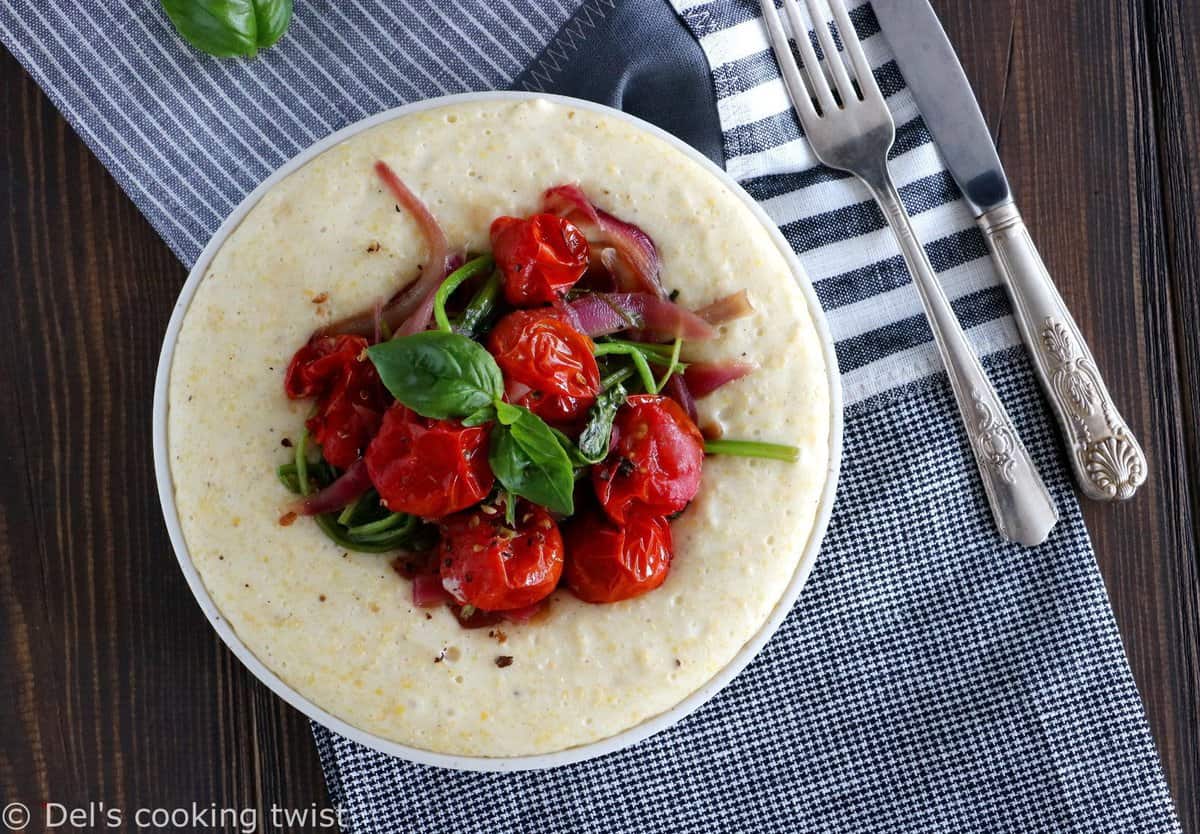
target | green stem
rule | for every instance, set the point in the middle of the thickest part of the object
(752, 449)
(331, 529)
(383, 525)
(347, 514)
(302, 464)
(464, 273)
(639, 361)
(615, 378)
(287, 477)
(659, 354)
(510, 509)
(481, 306)
(671, 365)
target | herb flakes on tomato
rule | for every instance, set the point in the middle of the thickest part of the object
(557, 363)
(493, 567)
(350, 398)
(656, 459)
(428, 468)
(540, 257)
(607, 562)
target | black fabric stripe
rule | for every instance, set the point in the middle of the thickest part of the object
(745, 74)
(725, 14)
(782, 127)
(862, 218)
(883, 276)
(909, 136)
(776, 185)
(972, 310)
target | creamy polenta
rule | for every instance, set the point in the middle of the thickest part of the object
(340, 628)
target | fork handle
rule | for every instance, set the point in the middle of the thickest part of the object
(1108, 462)
(1020, 502)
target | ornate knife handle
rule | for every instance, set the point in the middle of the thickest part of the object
(1108, 462)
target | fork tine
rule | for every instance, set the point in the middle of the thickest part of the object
(808, 55)
(793, 80)
(862, 67)
(833, 58)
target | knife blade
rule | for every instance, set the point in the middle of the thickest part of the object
(1108, 462)
(944, 96)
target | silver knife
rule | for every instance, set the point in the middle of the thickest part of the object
(1108, 462)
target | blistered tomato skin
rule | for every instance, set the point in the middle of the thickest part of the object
(656, 459)
(539, 350)
(350, 397)
(540, 257)
(493, 567)
(428, 468)
(557, 410)
(608, 563)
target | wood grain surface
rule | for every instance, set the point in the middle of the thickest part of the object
(118, 690)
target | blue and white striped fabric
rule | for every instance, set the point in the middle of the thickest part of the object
(874, 313)
(931, 677)
(188, 136)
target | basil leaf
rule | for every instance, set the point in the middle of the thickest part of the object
(597, 433)
(438, 375)
(484, 415)
(508, 414)
(273, 17)
(229, 28)
(528, 460)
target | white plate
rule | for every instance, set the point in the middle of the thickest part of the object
(624, 739)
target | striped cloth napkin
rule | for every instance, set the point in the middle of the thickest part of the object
(931, 677)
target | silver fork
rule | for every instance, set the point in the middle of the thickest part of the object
(849, 126)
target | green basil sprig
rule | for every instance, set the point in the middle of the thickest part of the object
(230, 28)
(439, 375)
(445, 376)
(529, 461)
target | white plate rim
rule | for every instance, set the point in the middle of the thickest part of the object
(571, 755)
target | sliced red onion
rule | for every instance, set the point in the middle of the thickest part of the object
(567, 313)
(634, 262)
(351, 484)
(728, 308)
(410, 310)
(420, 317)
(601, 314)
(427, 591)
(677, 389)
(515, 391)
(377, 315)
(703, 378)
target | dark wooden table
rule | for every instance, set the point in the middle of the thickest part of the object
(114, 687)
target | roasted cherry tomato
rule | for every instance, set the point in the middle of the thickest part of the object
(350, 397)
(428, 468)
(609, 563)
(493, 567)
(657, 453)
(540, 351)
(540, 258)
(557, 410)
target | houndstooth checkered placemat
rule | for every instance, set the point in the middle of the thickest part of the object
(931, 677)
